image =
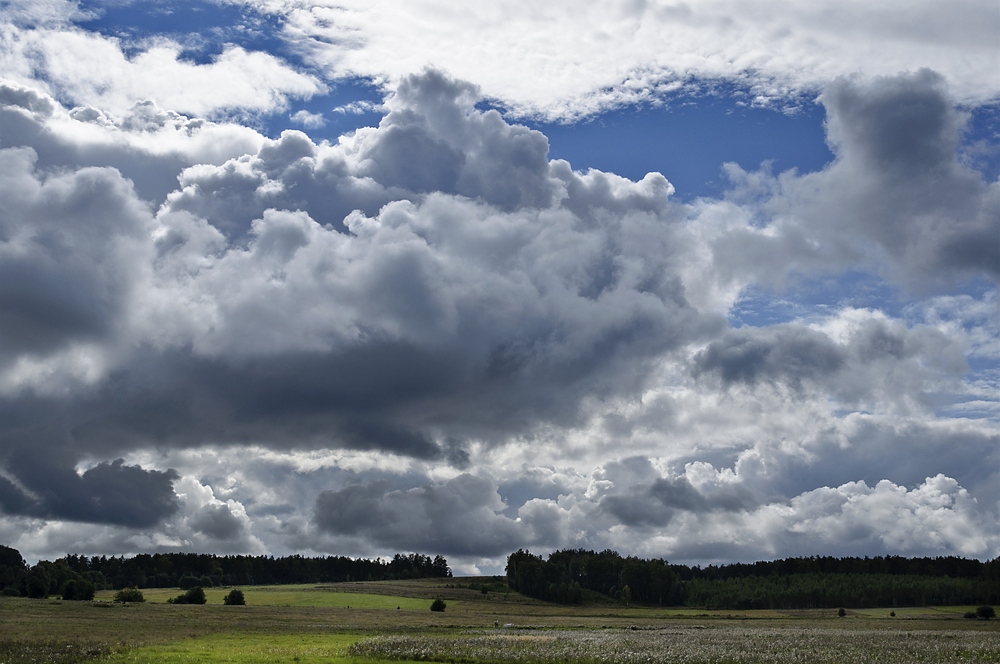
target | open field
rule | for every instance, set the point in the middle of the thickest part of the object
(314, 624)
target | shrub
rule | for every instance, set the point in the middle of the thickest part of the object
(79, 590)
(129, 595)
(234, 598)
(986, 612)
(438, 605)
(969, 614)
(11, 591)
(194, 596)
(841, 613)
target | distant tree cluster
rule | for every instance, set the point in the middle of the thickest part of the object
(819, 582)
(567, 574)
(191, 570)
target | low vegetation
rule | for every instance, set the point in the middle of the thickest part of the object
(194, 595)
(235, 598)
(491, 620)
(129, 595)
(359, 622)
(687, 645)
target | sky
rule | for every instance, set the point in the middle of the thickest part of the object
(710, 281)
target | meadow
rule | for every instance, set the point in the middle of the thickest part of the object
(391, 621)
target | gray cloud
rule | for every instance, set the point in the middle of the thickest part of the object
(110, 493)
(70, 245)
(875, 359)
(897, 184)
(433, 291)
(460, 516)
(788, 353)
(439, 317)
(218, 522)
(640, 497)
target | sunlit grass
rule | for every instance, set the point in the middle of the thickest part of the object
(247, 648)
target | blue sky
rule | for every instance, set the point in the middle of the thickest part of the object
(711, 282)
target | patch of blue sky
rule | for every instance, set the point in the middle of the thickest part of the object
(204, 29)
(690, 138)
(350, 103)
(981, 141)
(201, 27)
(809, 298)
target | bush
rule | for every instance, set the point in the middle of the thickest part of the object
(194, 596)
(11, 591)
(438, 605)
(986, 612)
(969, 614)
(129, 595)
(79, 590)
(234, 598)
(841, 613)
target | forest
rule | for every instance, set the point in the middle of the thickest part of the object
(574, 576)
(187, 570)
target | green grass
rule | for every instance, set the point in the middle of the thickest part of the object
(297, 595)
(251, 649)
(308, 623)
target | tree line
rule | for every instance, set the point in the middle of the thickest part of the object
(573, 576)
(189, 570)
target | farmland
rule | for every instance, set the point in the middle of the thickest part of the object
(390, 621)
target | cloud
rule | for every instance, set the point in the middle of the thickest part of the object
(584, 57)
(858, 357)
(91, 69)
(110, 493)
(307, 119)
(147, 145)
(285, 339)
(459, 516)
(896, 199)
(71, 246)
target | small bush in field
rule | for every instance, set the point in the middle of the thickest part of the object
(438, 605)
(194, 596)
(986, 612)
(129, 595)
(234, 598)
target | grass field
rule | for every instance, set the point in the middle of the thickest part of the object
(360, 623)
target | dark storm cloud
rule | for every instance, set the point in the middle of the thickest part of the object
(110, 493)
(459, 516)
(68, 248)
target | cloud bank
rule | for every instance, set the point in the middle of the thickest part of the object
(427, 335)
